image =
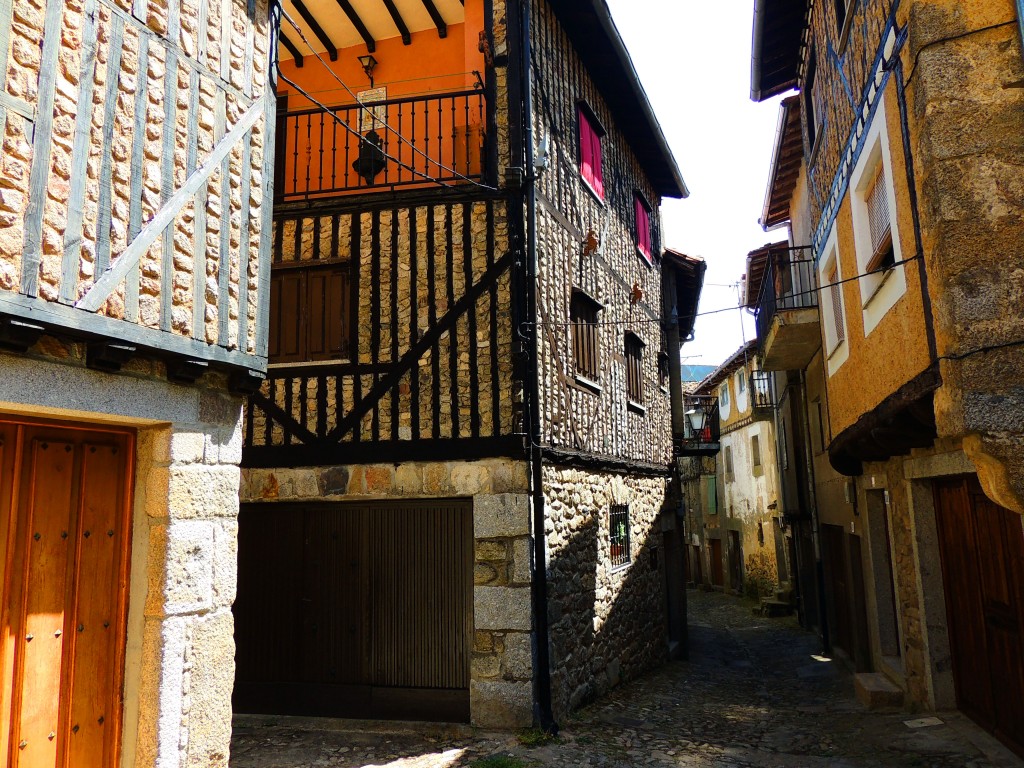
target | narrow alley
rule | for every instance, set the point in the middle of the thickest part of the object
(752, 694)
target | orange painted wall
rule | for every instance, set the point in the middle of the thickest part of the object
(897, 349)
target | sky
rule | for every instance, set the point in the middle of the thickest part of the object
(693, 59)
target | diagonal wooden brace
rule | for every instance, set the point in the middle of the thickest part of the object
(115, 273)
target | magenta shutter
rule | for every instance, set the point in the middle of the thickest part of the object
(590, 155)
(643, 228)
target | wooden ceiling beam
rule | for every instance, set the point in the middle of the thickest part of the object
(442, 27)
(292, 49)
(346, 7)
(321, 35)
(400, 25)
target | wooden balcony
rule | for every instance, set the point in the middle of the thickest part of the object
(410, 142)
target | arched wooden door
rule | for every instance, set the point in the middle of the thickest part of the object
(65, 529)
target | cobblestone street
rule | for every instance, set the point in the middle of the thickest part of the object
(751, 695)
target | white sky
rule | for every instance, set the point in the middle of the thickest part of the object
(693, 59)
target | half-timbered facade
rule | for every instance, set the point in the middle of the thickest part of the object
(468, 336)
(135, 212)
(913, 387)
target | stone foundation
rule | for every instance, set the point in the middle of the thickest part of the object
(607, 623)
(501, 675)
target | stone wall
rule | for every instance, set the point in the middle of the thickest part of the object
(501, 678)
(607, 624)
(139, 95)
(179, 665)
(576, 414)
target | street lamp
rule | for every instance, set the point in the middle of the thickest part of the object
(696, 416)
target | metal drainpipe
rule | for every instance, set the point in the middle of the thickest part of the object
(535, 453)
(812, 497)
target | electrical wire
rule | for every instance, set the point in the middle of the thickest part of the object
(562, 324)
(951, 38)
(376, 120)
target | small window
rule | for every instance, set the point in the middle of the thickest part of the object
(663, 370)
(840, 6)
(879, 224)
(583, 321)
(755, 450)
(309, 314)
(643, 227)
(634, 369)
(723, 395)
(728, 461)
(835, 292)
(618, 534)
(590, 151)
(741, 382)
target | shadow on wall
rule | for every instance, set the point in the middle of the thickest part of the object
(606, 625)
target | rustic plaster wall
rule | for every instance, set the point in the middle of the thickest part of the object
(501, 677)
(607, 624)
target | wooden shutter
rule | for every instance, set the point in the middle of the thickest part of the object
(879, 223)
(634, 369)
(643, 227)
(286, 326)
(327, 309)
(583, 317)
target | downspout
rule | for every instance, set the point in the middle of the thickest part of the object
(812, 497)
(675, 383)
(542, 670)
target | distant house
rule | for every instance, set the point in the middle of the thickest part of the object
(905, 409)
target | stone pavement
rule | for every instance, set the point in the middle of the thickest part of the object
(751, 695)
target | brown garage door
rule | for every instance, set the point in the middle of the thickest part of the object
(355, 610)
(981, 547)
(64, 534)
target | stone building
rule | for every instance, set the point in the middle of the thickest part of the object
(474, 346)
(896, 171)
(734, 503)
(134, 213)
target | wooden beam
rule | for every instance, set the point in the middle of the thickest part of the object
(107, 160)
(292, 48)
(131, 287)
(388, 451)
(435, 15)
(400, 25)
(107, 282)
(40, 171)
(364, 33)
(321, 35)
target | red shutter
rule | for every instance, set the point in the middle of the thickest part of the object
(643, 228)
(586, 149)
(598, 181)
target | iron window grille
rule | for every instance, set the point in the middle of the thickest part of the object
(618, 535)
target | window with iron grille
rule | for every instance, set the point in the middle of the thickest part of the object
(879, 224)
(634, 369)
(583, 321)
(309, 314)
(618, 534)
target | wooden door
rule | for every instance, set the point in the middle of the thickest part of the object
(981, 548)
(355, 610)
(717, 574)
(837, 589)
(65, 529)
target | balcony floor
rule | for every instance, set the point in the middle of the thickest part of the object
(793, 338)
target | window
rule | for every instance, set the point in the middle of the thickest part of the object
(583, 321)
(711, 483)
(634, 369)
(836, 299)
(755, 450)
(663, 370)
(840, 6)
(309, 314)
(741, 382)
(590, 151)
(643, 227)
(879, 226)
(728, 462)
(809, 113)
(723, 396)
(618, 534)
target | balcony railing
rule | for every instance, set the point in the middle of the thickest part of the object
(789, 283)
(381, 145)
(702, 429)
(762, 394)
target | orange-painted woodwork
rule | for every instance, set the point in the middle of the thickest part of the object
(64, 536)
